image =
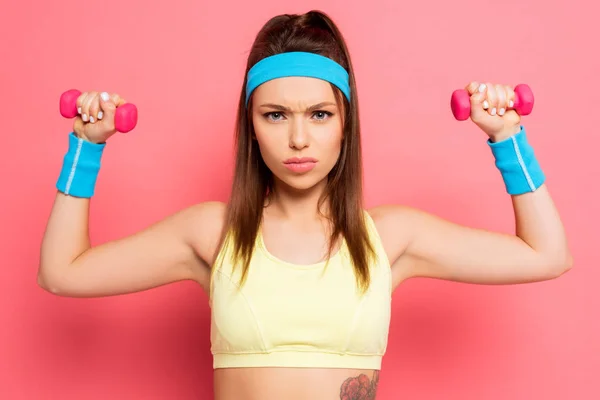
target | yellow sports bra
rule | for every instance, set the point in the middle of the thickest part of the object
(290, 315)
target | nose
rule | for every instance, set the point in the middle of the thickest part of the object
(299, 135)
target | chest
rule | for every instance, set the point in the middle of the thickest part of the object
(304, 248)
(285, 305)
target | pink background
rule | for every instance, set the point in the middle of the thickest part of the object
(182, 62)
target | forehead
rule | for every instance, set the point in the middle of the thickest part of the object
(294, 90)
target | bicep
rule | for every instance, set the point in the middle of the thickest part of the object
(458, 253)
(428, 246)
(168, 251)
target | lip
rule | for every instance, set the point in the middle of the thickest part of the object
(300, 164)
(299, 160)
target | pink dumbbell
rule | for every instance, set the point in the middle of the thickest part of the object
(461, 102)
(125, 116)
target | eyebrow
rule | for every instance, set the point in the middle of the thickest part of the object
(279, 107)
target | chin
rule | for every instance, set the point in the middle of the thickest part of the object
(301, 182)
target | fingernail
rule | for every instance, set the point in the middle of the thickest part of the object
(84, 117)
(501, 111)
(486, 105)
(493, 112)
(100, 114)
(104, 96)
(482, 88)
(511, 103)
(78, 110)
(92, 120)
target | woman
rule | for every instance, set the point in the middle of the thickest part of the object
(300, 276)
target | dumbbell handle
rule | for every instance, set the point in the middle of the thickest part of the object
(460, 102)
(125, 116)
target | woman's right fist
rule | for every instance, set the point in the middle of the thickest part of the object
(95, 121)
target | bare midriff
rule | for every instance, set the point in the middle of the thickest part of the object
(295, 384)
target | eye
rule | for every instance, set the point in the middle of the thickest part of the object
(273, 116)
(322, 115)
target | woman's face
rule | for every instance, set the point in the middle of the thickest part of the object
(298, 126)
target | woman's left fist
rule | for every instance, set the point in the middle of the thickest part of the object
(491, 109)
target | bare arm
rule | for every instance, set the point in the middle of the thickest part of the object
(424, 245)
(177, 248)
(174, 249)
(420, 244)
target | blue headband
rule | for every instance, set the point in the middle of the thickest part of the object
(297, 64)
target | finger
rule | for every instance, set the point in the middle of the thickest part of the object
(117, 100)
(492, 98)
(485, 104)
(478, 95)
(108, 104)
(94, 108)
(80, 101)
(501, 96)
(78, 124)
(85, 108)
(474, 87)
(510, 97)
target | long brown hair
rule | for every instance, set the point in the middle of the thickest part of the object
(253, 182)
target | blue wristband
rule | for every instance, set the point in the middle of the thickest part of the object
(80, 167)
(516, 161)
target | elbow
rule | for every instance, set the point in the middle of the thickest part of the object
(568, 264)
(49, 283)
(561, 265)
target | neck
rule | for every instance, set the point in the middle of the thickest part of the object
(297, 204)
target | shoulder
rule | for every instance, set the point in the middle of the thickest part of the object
(209, 212)
(390, 216)
(204, 226)
(395, 226)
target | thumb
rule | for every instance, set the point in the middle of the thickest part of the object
(478, 97)
(109, 104)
